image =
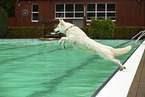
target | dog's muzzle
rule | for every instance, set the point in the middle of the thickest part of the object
(57, 32)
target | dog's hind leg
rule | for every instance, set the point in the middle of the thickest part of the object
(107, 54)
(118, 62)
(112, 59)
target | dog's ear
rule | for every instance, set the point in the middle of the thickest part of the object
(61, 22)
(60, 19)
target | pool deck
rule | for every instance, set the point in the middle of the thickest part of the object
(129, 82)
(137, 88)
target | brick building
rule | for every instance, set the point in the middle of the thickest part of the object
(79, 12)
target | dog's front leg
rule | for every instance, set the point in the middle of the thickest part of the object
(63, 40)
(63, 44)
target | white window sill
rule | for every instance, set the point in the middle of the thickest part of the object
(35, 21)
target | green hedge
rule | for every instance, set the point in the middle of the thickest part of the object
(36, 32)
(121, 32)
(86, 30)
(101, 28)
(26, 32)
(126, 32)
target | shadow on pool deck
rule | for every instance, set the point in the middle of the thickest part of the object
(137, 88)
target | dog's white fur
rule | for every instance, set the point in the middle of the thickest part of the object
(80, 40)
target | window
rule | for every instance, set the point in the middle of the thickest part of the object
(100, 7)
(79, 11)
(60, 10)
(60, 7)
(69, 7)
(69, 11)
(101, 10)
(35, 13)
(91, 7)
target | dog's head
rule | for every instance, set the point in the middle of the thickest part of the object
(62, 26)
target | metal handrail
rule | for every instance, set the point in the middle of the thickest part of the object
(141, 33)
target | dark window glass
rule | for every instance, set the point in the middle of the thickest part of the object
(100, 7)
(112, 18)
(79, 7)
(90, 15)
(35, 16)
(69, 7)
(110, 7)
(69, 15)
(35, 8)
(79, 14)
(59, 14)
(59, 7)
(110, 14)
(100, 15)
(91, 7)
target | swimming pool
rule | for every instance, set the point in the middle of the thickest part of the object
(34, 68)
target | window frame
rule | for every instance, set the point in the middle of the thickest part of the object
(64, 12)
(35, 12)
(101, 12)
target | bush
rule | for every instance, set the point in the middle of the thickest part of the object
(26, 32)
(102, 28)
(126, 32)
(36, 32)
(3, 22)
(86, 30)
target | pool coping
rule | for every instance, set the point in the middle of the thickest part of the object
(138, 86)
(119, 84)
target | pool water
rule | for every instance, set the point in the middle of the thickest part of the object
(34, 68)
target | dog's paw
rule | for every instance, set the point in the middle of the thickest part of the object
(122, 68)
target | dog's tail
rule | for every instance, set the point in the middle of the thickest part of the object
(121, 51)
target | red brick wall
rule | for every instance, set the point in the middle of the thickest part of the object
(12, 22)
(128, 12)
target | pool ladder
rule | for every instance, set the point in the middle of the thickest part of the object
(141, 33)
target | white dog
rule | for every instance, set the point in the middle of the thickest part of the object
(80, 40)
